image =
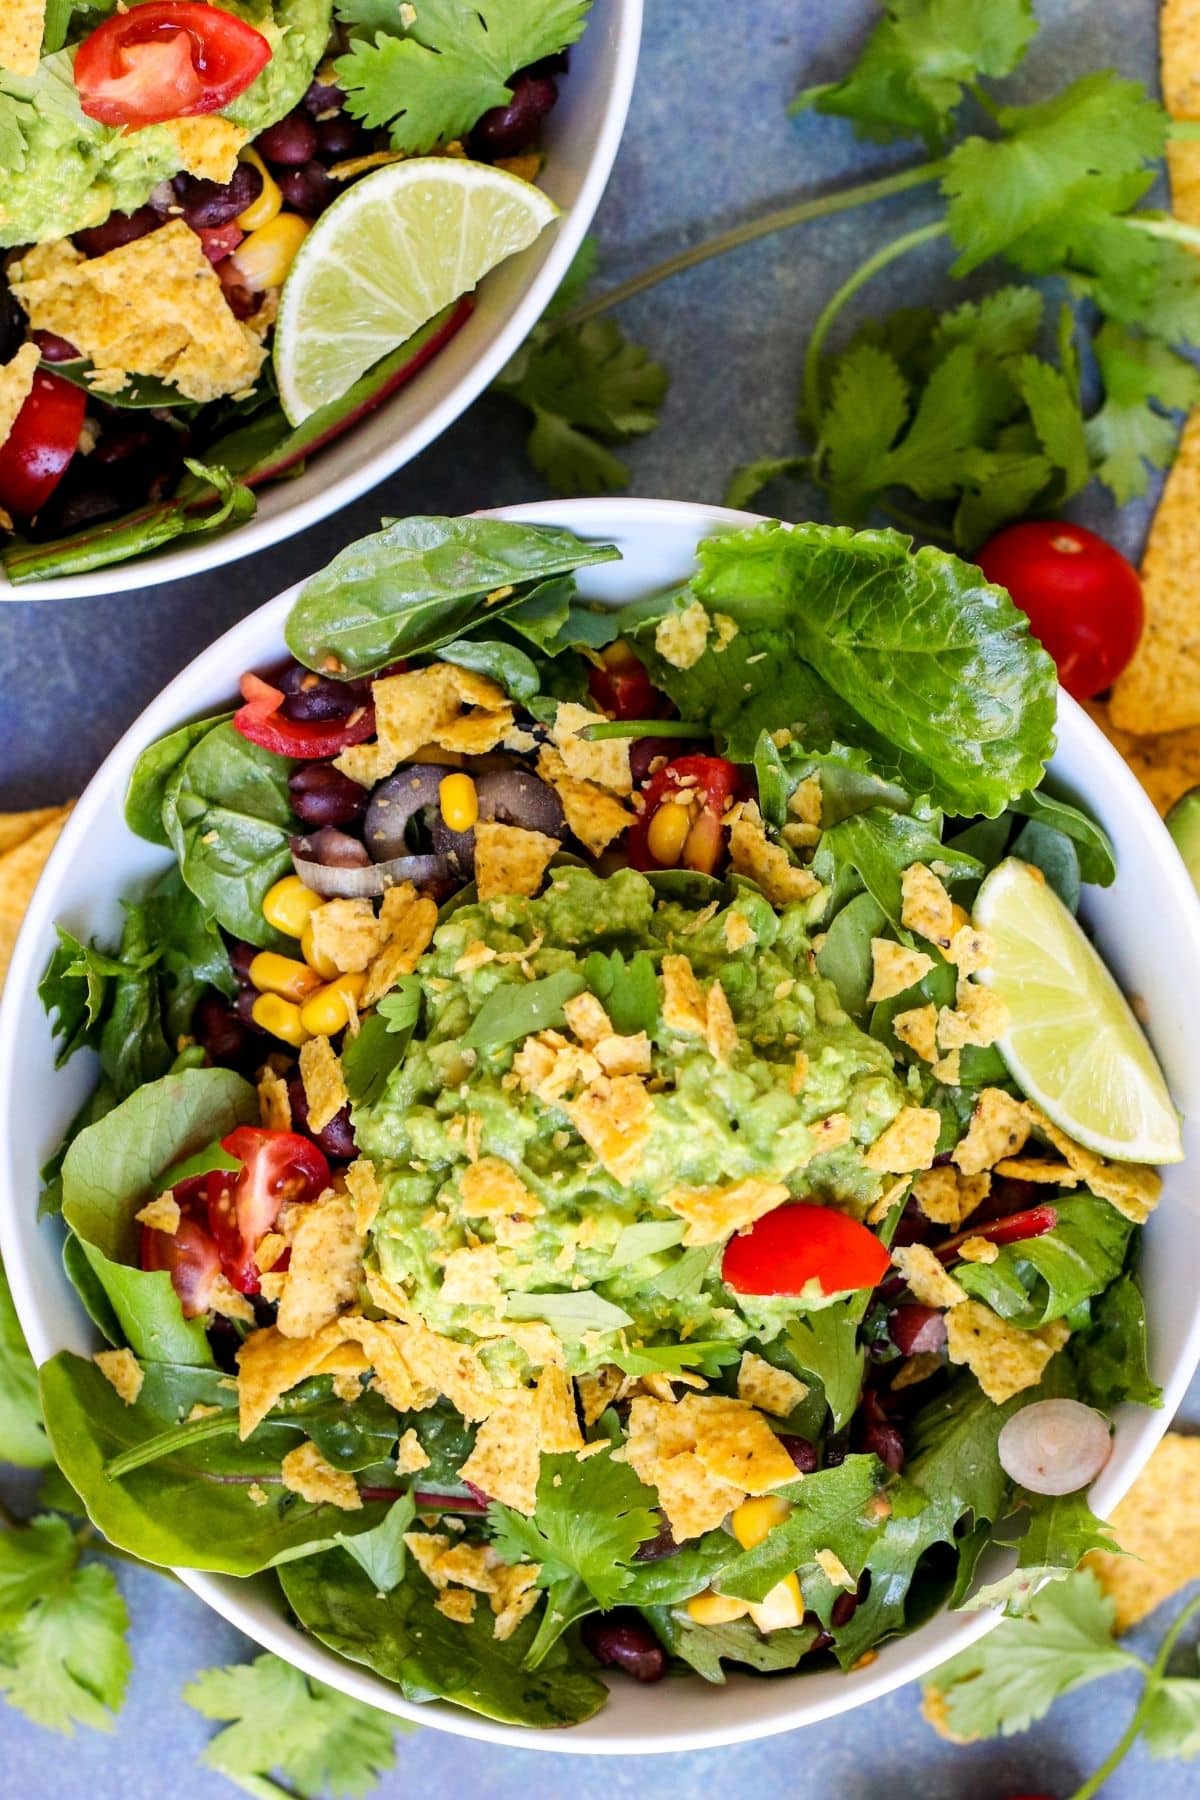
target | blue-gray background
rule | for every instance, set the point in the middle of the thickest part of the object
(708, 142)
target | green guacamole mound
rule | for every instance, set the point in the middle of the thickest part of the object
(710, 1124)
(66, 173)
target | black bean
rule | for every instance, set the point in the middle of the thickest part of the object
(322, 795)
(312, 696)
(322, 97)
(655, 1548)
(621, 1639)
(119, 228)
(54, 348)
(308, 190)
(12, 323)
(506, 130)
(241, 956)
(802, 1453)
(208, 203)
(219, 1031)
(339, 137)
(289, 141)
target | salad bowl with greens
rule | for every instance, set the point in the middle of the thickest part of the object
(589, 1127)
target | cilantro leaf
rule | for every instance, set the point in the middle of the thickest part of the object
(1015, 1674)
(1128, 432)
(1171, 1722)
(749, 479)
(917, 63)
(281, 1720)
(628, 991)
(63, 1656)
(430, 77)
(589, 1520)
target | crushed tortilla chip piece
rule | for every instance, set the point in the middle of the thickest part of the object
(558, 1427)
(470, 1277)
(505, 1458)
(324, 1085)
(970, 950)
(831, 1132)
(305, 1472)
(712, 1213)
(753, 855)
(160, 1214)
(1038, 1170)
(447, 1368)
(346, 933)
(326, 1266)
(151, 307)
(1003, 1359)
(684, 1007)
(208, 145)
(599, 1388)
(835, 1570)
(895, 967)
(16, 385)
(224, 1298)
(927, 1280)
(720, 1028)
(587, 1019)
(999, 1128)
(362, 1184)
(908, 1143)
(918, 1029)
(737, 931)
(410, 1454)
(661, 1451)
(734, 1442)
(22, 26)
(409, 920)
(456, 1604)
(771, 1390)
(270, 1364)
(606, 763)
(123, 1372)
(979, 1016)
(1132, 1188)
(593, 813)
(948, 1197)
(619, 1055)
(490, 1187)
(612, 1116)
(443, 705)
(274, 1106)
(1160, 690)
(1166, 765)
(978, 1250)
(1158, 1525)
(682, 637)
(926, 907)
(510, 860)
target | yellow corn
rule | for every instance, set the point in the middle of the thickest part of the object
(781, 1608)
(264, 258)
(753, 1519)
(668, 833)
(459, 802)
(265, 204)
(331, 1008)
(324, 965)
(280, 1017)
(287, 905)
(715, 1609)
(282, 975)
(959, 917)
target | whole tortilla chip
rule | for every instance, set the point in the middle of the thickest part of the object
(22, 25)
(1179, 37)
(1160, 690)
(20, 868)
(1158, 1525)
(1166, 765)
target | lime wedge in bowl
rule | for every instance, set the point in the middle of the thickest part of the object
(395, 249)
(1073, 1043)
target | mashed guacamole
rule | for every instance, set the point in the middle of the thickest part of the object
(714, 1120)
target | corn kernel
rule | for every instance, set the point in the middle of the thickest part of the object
(287, 905)
(959, 916)
(264, 258)
(668, 833)
(282, 975)
(753, 1519)
(280, 1017)
(781, 1608)
(331, 1008)
(459, 802)
(324, 965)
(265, 204)
(715, 1609)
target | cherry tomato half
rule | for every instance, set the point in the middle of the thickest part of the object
(44, 437)
(1083, 599)
(798, 1243)
(620, 685)
(262, 721)
(709, 782)
(189, 1255)
(170, 59)
(277, 1166)
(1014, 1228)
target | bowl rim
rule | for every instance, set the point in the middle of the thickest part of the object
(903, 1659)
(182, 561)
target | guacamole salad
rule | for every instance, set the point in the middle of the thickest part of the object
(612, 1149)
(231, 230)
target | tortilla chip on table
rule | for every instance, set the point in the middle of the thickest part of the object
(26, 840)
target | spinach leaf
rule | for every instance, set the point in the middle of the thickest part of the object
(912, 657)
(406, 1640)
(1111, 1358)
(825, 1344)
(845, 956)
(381, 1553)
(544, 613)
(423, 582)
(1044, 1278)
(515, 672)
(1097, 858)
(191, 1508)
(512, 1011)
(1054, 853)
(193, 953)
(880, 845)
(227, 811)
(153, 770)
(628, 991)
(706, 1648)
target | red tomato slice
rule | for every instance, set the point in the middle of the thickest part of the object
(1083, 599)
(189, 1255)
(44, 437)
(264, 724)
(798, 1243)
(1014, 1228)
(170, 59)
(620, 685)
(278, 1166)
(712, 781)
(219, 241)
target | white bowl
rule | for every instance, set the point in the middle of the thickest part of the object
(1148, 926)
(581, 138)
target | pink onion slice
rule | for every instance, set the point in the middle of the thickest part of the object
(1055, 1446)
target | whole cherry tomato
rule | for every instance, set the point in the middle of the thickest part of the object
(798, 1243)
(44, 437)
(1083, 599)
(170, 59)
(262, 721)
(277, 1166)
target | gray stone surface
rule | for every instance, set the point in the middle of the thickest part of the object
(708, 141)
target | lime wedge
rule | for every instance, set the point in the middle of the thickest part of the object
(395, 249)
(1073, 1043)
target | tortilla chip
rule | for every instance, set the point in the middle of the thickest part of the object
(122, 1370)
(970, 950)
(593, 813)
(1158, 1524)
(410, 1454)
(720, 1028)
(735, 1443)
(304, 1471)
(558, 1427)
(1004, 1359)
(410, 921)
(325, 1269)
(208, 146)
(490, 1187)
(693, 1498)
(1167, 766)
(926, 907)
(346, 933)
(606, 763)
(948, 1197)
(835, 1570)
(470, 1277)
(22, 25)
(682, 637)
(737, 931)
(908, 1143)
(17, 827)
(270, 1364)
(505, 1460)
(1132, 1188)
(224, 1298)
(713, 1213)
(895, 968)
(771, 1390)
(599, 1389)
(979, 1016)
(510, 860)
(445, 1367)
(160, 1214)
(440, 705)
(612, 1116)
(753, 855)
(324, 1086)
(20, 868)
(274, 1106)
(1160, 690)
(999, 1128)
(978, 1250)
(362, 1184)
(587, 1019)
(625, 1055)
(1038, 1170)
(456, 1604)
(927, 1281)
(831, 1132)
(16, 385)
(684, 1007)
(918, 1029)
